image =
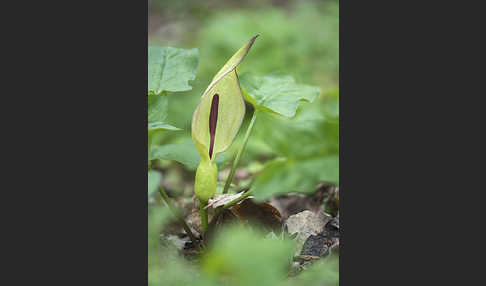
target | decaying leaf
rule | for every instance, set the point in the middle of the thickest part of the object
(291, 204)
(259, 213)
(307, 223)
(316, 245)
(320, 245)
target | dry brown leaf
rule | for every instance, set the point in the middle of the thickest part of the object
(291, 204)
(260, 213)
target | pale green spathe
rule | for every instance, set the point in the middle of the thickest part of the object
(231, 107)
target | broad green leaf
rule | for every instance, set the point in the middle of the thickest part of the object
(154, 178)
(309, 144)
(170, 69)
(184, 153)
(157, 113)
(231, 108)
(277, 92)
(157, 108)
(312, 128)
(301, 175)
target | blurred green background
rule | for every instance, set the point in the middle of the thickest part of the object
(299, 38)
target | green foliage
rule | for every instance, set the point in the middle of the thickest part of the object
(154, 178)
(322, 273)
(157, 113)
(157, 108)
(170, 69)
(313, 131)
(282, 176)
(160, 126)
(276, 92)
(308, 147)
(301, 40)
(165, 267)
(237, 256)
(183, 152)
(243, 257)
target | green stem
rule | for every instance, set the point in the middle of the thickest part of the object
(229, 180)
(178, 216)
(204, 216)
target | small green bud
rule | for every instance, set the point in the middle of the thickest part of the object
(206, 179)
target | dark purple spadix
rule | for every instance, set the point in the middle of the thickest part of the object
(213, 119)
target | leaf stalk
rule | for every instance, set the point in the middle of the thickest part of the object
(229, 180)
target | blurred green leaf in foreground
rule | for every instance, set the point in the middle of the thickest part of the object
(237, 256)
(244, 257)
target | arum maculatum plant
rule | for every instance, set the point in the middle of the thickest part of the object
(215, 124)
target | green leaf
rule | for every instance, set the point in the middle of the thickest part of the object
(245, 257)
(154, 178)
(277, 92)
(231, 107)
(324, 272)
(184, 153)
(157, 113)
(301, 168)
(158, 126)
(282, 176)
(310, 127)
(170, 69)
(157, 108)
